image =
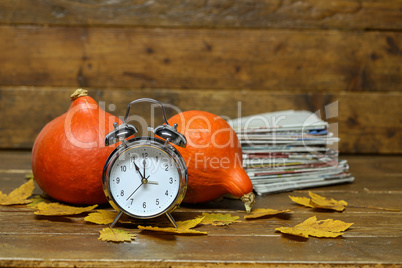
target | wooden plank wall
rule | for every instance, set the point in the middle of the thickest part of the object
(226, 57)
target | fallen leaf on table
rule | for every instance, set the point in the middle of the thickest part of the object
(304, 201)
(218, 219)
(57, 209)
(18, 196)
(115, 235)
(323, 228)
(101, 216)
(183, 227)
(263, 212)
(36, 200)
(318, 201)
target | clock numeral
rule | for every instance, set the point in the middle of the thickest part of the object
(170, 180)
(144, 155)
(122, 192)
(123, 168)
(132, 200)
(117, 180)
(157, 201)
(166, 167)
(166, 193)
(144, 205)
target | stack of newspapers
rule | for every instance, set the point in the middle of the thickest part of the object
(288, 150)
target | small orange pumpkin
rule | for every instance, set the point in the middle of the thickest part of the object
(69, 153)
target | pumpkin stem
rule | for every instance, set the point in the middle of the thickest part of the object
(248, 200)
(79, 93)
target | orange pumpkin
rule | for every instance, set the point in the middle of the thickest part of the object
(214, 158)
(69, 153)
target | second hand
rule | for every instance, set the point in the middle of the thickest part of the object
(134, 191)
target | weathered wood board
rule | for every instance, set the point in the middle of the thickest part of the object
(312, 60)
(373, 241)
(344, 14)
(369, 124)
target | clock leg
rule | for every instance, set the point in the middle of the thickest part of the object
(170, 217)
(116, 219)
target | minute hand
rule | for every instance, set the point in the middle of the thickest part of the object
(143, 162)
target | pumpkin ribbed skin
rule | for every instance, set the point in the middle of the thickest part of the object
(69, 153)
(213, 156)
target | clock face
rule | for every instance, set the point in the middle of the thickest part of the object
(144, 181)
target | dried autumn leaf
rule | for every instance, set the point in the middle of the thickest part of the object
(304, 201)
(318, 201)
(101, 216)
(57, 209)
(323, 228)
(183, 227)
(115, 235)
(36, 200)
(18, 196)
(263, 212)
(218, 219)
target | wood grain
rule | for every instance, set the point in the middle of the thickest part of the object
(308, 61)
(162, 250)
(373, 241)
(343, 14)
(265, 227)
(366, 123)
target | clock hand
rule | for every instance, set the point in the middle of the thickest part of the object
(134, 191)
(146, 181)
(138, 170)
(143, 162)
(150, 182)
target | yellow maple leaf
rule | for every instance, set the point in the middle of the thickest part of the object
(323, 228)
(218, 219)
(115, 235)
(318, 201)
(18, 196)
(263, 212)
(304, 201)
(101, 216)
(57, 209)
(183, 227)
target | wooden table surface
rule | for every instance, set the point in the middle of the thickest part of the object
(374, 240)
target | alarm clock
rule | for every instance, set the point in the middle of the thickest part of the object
(145, 177)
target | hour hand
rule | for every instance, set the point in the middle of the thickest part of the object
(138, 170)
